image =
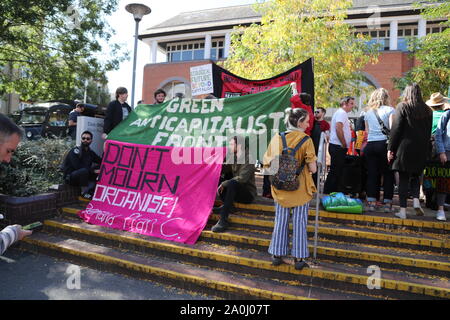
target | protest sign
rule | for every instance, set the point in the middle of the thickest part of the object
(437, 176)
(161, 166)
(201, 80)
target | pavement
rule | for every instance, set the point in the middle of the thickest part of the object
(27, 276)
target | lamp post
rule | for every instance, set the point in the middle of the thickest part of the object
(138, 11)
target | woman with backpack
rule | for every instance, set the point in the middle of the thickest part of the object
(298, 194)
(378, 120)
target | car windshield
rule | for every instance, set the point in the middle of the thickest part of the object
(57, 118)
(32, 117)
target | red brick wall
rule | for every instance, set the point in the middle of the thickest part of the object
(390, 64)
(156, 75)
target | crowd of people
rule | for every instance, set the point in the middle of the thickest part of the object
(395, 145)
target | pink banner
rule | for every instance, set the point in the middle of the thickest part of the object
(162, 192)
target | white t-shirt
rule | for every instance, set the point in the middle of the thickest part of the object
(340, 116)
(375, 134)
(124, 112)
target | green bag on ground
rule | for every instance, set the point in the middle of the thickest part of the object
(338, 202)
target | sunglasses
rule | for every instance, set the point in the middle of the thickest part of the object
(85, 138)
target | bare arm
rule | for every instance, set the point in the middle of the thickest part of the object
(340, 134)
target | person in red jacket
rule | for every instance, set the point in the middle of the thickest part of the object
(303, 100)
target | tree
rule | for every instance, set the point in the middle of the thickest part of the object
(96, 93)
(52, 46)
(433, 54)
(292, 31)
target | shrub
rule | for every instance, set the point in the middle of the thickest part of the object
(34, 167)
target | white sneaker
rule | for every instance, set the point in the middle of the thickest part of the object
(400, 215)
(440, 215)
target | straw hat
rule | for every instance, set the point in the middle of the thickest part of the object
(436, 99)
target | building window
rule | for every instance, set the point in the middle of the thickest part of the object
(186, 51)
(382, 36)
(217, 48)
(194, 50)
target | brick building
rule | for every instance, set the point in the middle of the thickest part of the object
(194, 38)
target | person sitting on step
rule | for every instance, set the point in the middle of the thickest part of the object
(240, 185)
(80, 167)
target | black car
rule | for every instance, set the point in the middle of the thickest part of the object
(50, 119)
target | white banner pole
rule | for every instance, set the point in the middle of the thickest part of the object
(321, 163)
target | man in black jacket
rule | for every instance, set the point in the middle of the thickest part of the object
(81, 165)
(117, 111)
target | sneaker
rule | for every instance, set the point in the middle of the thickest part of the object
(300, 264)
(371, 206)
(400, 215)
(419, 211)
(276, 260)
(220, 226)
(87, 195)
(440, 215)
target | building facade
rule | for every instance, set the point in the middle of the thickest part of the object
(195, 38)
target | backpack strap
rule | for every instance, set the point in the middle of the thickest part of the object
(283, 140)
(297, 147)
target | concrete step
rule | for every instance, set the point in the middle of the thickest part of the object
(372, 219)
(361, 235)
(336, 276)
(388, 221)
(221, 283)
(242, 234)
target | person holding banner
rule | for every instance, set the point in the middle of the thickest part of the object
(303, 101)
(160, 96)
(442, 137)
(240, 185)
(297, 201)
(117, 111)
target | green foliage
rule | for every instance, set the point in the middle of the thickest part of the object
(34, 167)
(51, 46)
(433, 54)
(292, 31)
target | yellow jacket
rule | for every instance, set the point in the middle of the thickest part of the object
(304, 193)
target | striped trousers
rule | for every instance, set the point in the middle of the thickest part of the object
(279, 245)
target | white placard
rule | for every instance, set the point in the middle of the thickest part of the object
(95, 126)
(202, 79)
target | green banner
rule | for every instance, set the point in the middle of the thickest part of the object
(206, 123)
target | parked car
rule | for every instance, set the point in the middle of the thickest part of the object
(50, 119)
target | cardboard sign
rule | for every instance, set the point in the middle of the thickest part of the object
(202, 80)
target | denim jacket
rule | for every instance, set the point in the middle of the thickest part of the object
(442, 134)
